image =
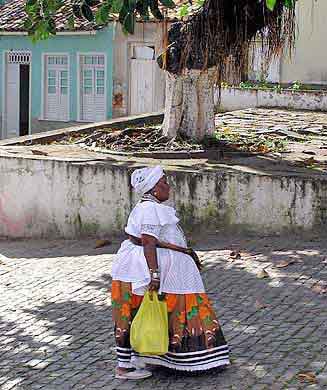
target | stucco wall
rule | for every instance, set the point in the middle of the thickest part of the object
(308, 63)
(147, 33)
(46, 198)
(237, 99)
(72, 44)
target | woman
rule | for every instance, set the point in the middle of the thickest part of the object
(143, 262)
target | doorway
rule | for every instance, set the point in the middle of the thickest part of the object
(24, 97)
(142, 79)
(16, 119)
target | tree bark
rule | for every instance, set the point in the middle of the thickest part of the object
(189, 108)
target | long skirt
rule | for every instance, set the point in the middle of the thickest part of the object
(196, 341)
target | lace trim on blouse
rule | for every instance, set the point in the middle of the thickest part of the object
(151, 230)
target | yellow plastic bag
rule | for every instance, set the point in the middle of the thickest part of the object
(149, 329)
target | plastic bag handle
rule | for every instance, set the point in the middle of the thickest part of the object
(153, 295)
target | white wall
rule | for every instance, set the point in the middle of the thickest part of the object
(148, 33)
(238, 99)
(47, 198)
(308, 64)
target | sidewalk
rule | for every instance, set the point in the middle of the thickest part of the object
(55, 317)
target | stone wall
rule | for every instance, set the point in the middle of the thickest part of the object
(238, 99)
(48, 198)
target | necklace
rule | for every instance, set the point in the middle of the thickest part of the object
(149, 197)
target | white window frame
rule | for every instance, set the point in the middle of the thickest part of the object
(43, 89)
(3, 132)
(93, 53)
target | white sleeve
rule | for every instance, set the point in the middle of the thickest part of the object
(151, 230)
(150, 223)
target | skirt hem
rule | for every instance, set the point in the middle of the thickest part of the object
(160, 361)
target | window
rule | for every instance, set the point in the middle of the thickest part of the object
(93, 60)
(57, 60)
(99, 82)
(87, 81)
(64, 82)
(52, 81)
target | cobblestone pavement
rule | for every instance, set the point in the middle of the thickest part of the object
(55, 317)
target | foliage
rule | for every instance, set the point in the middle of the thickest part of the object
(252, 143)
(295, 86)
(41, 13)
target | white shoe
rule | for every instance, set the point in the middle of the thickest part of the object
(135, 374)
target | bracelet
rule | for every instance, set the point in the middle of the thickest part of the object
(155, 274)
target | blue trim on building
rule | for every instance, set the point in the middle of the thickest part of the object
(101, 42)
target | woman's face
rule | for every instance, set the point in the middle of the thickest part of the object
(162, 189)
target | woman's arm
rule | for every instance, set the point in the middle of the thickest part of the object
(149, 247)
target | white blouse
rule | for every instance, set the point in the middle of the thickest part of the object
(178, 272)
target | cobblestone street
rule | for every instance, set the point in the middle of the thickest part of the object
(55, 317)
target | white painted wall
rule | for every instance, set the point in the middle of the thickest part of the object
(308, 64)
(237, 99)
(46, 198)
(145, 34)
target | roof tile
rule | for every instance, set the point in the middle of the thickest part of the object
(13, 16)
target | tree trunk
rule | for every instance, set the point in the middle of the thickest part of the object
(189, 108)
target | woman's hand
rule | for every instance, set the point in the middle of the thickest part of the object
(154, 285)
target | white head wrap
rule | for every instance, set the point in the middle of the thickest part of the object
(144, 179)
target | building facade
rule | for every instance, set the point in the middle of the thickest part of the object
(85, 75)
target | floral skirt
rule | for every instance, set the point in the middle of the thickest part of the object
(196, 341)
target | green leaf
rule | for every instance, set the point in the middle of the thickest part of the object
(142, 8)
(183, 11)
(116, 6)
(154, 7)
(200, 3)
(92, 3)
(28, 24)
(168, 3)
(51, 28)
(123, 12)
(33, 9)
(87, 12)
(289, 3)
(30, 3)
(71, 22)
(131, 5)
(129, 23)
(77, 11)
(271, 4)
(102, 14)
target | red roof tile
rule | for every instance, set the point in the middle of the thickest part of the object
(13, 15)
